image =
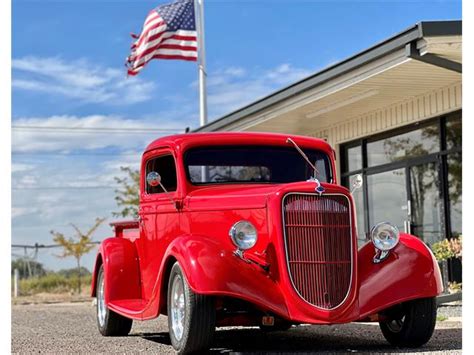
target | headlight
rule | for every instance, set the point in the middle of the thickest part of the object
(243, 235)
(385, 236)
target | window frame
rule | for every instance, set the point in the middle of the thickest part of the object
(328, 161)
(156, 156)
(439, 156)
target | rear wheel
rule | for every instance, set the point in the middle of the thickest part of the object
(411, 324)
(191, 317)
(109, 322)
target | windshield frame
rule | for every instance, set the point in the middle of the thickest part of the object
(328, 164)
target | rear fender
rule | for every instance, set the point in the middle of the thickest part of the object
(121, 268)
(410, 271)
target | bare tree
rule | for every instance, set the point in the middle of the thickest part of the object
(127, 196)
(77, 246)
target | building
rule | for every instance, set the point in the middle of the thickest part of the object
(393, 114)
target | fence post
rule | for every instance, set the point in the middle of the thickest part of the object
(16, 277)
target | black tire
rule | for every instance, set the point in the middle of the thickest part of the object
(113, 324)
(412, 325)
(199, 320)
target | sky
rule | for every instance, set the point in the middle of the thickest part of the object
(68, 71)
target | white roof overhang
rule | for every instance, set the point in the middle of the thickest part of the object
(375, 86)
(410, 64)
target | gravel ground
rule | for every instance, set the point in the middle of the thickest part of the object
(450, 310)
(71, 328)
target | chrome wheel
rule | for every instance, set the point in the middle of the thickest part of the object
(178, 310)
(109, 322)
(101, 307)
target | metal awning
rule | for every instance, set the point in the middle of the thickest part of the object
(425, 57)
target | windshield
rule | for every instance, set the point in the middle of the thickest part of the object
(253, 164)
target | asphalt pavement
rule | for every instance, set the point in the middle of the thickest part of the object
(71, 328)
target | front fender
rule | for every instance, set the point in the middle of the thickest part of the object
(122, 273)
(211, 269)
(409, 272)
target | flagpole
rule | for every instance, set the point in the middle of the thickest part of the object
(199, 8)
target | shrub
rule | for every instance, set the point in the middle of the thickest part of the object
(448, 248)
(50, 283)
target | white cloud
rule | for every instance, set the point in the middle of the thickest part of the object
(79, 79)
(233, 87)
(21, 167)
(285, 74)
(86, 136)
(22, 211)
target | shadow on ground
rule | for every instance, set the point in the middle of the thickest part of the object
(311, 339)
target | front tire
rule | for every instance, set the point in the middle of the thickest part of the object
(412, 324)
(109, 322)
(191, 317)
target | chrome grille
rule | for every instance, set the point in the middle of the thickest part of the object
(319, 246)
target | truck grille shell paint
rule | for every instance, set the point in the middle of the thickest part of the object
(318, 242)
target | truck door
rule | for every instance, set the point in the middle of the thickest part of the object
(158, 215)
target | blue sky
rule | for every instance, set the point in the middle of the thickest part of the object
(68, 70)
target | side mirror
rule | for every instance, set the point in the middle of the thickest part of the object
(357, 182)
(153, 178)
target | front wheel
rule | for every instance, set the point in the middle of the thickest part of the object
(109, 322)
(191, 317)
(411, 324)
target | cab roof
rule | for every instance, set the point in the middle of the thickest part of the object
(181, 142)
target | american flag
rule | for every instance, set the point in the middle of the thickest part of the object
(169, 32)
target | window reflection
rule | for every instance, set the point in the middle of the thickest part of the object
(387, 186)
(408, 145)
(387, 197)
(455, 192)
(354, 158)
(454, 132)
(425, 203)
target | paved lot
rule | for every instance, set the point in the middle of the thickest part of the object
(71, 328)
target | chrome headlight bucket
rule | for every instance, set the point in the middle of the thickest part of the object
(385, 237)
(243, 234)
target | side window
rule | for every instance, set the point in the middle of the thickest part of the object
(166, 167)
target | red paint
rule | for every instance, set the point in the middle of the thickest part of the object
(337, 282)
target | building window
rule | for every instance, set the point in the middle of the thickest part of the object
(412, 178)
(455, 192)
(354, 158)
(418, 142)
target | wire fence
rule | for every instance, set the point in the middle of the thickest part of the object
(27, 258)
(31, 277)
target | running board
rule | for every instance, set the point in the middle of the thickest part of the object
(130, 308)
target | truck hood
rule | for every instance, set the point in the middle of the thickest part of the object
(248, 196)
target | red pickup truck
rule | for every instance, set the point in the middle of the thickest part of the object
(253, 229)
